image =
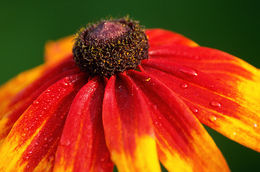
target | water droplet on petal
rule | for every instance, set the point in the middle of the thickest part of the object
(215, 104)
(213, 118)
(65, 142)
(148, 79)
(30, 152)
(234, 133)
(28, 166)
(188, 71)
(36, 102)
(255, 125)
(184, 85)
(194, 110)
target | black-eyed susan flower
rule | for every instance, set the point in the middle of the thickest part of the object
(116, 94)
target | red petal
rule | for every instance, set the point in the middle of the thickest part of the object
(33, 139)
(19, 103)
(222, 90)
(184, 145)
(128, 127)
(159, 37)
(82, 146)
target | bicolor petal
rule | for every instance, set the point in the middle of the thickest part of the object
(82, 146)
(22, 100)
(221, 90)
(183, 144)
(128, 127)
(33, 140)
(15, 85)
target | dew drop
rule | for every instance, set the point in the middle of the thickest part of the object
(158, 123)
(36, 102)
(255, 125)
(30, 152)
(184, 85)
(213, 118)
(215, 104)
(148, 79)
(188, 71)
(65, 142)
(194, 110)
(234, 133)
(65, 83)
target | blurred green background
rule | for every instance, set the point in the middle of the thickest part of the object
(229, 25)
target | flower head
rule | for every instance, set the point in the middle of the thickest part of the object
(120, 103)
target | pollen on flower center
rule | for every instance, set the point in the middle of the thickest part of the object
(110, 47)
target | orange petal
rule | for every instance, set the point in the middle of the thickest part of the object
(34, 137)
(82, 146)
(222, 90)
(57, 50)
(183, 144)
(15, 85)
(128, 127)
(20, 102)
(159, 37)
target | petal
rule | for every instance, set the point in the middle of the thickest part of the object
(222, 90)
(82, 146)
(159, 37)
(183, 144)
(15, 85)
(34, 137)
(57, 50)
(128, 127)
(19, 103)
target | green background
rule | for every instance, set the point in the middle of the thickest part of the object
(231, 25)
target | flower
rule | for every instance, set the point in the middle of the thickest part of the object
(61, 117)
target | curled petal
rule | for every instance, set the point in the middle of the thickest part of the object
(82, 146)
(222, 90)
(58, 50)
(34, 137)
(183, 143)
(128, 127)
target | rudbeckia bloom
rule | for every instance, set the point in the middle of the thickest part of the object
(116, 94)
